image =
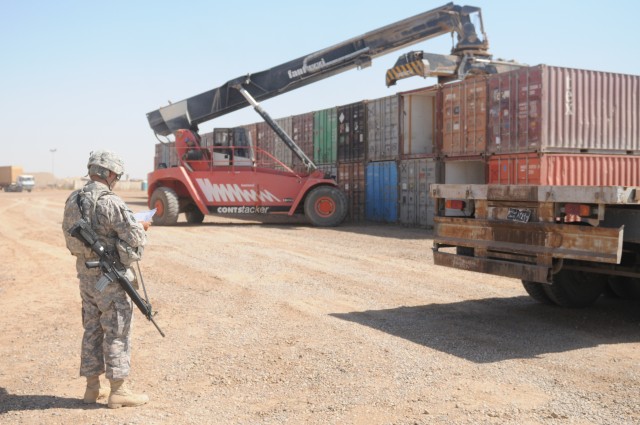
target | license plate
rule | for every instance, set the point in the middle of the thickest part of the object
(521, 216)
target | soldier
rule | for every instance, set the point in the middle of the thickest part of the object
(106, 315)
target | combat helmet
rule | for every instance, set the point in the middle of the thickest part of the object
(107, 160)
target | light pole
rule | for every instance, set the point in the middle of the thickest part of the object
(53, 151)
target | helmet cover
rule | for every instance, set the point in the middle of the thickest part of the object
(108, 160)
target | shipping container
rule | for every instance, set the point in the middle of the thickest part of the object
(325, 136)
(418, 124)
(302, 135)
(383, 129)
(565, 169)
(282, 151)
(464, 170)
(265, 139)
(464, 117)
(272, 146)
(166, 155)
(351, 132)
(551, 109)
(330, 170)
(415, 205)
(9, 174)
(381, 198)
(351, 180)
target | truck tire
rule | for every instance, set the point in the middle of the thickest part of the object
(325, 206)
(624, 287)
(194, 215)
(537, 292)
(167, 207)
(575, 289)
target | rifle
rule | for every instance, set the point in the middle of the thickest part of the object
(112, 268)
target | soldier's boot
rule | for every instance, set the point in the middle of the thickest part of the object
(121, 395)
(94, 390)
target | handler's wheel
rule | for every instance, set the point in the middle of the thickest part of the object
(325, 206)
(165, 201)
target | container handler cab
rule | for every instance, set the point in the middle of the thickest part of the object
(228, 180)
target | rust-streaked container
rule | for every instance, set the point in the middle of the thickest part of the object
(282, 151)
(564, 169)
(352, 132)
(417, 208)
(351, 179)
(265, 141)
(269, 141)
(383, 129)
(463, 111)
(552, 109)
(302, 135)
(418, 126)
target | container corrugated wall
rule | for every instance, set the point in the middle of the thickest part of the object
(383, 129)
(302, 135)
(282, 151)
(351, 179)
(464, 117)
(325, 136)
(381, 199)
(565, 169)
(352, 132)
(552, 109)
(417, 208)
(268, 141)
(166, 155)
(418, 123)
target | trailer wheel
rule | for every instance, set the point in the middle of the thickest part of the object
(325, 206)
(167, 207)
(575, 289)
(537, 292)
(194, 215)
(625, 287)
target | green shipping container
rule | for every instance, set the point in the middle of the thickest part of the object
(325, 136)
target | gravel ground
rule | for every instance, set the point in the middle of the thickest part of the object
(290, 324)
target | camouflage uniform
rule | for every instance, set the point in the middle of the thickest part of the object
(107, 315)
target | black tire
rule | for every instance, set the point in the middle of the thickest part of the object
(575, 289)
(325, 206)
(537, 292)
(194, 215)
(166, 202)
(624, 287)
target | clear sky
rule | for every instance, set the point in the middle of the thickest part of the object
(78, 76)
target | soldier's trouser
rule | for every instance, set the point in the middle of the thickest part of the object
(106, 318)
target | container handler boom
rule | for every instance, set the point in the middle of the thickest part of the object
(357, 52)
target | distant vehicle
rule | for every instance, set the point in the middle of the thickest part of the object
(12, 179)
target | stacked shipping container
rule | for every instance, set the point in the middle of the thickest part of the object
(536, 125)
(551, 125)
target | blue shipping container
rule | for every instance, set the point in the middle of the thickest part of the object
(382, 192)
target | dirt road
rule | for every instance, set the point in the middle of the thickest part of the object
(275, 324)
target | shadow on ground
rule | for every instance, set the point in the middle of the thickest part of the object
(15, 402)
(496, 329)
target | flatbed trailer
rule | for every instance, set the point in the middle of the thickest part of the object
(567, 244)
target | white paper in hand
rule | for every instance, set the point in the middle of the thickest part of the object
(145, 215)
